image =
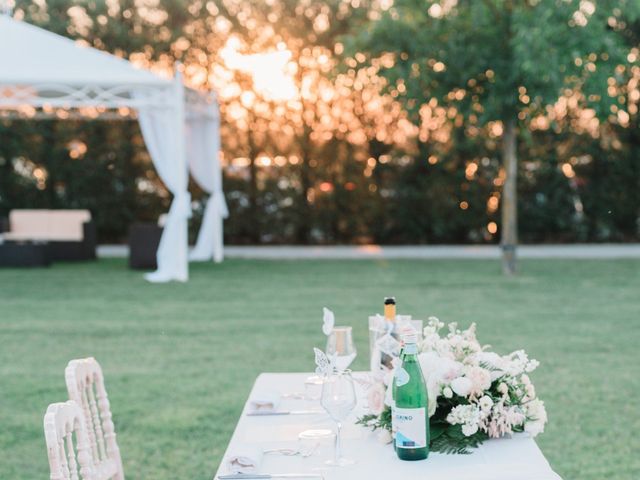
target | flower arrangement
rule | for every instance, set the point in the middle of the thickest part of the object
(474, 394)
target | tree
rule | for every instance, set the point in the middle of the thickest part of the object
(323, 119)
(498, 63)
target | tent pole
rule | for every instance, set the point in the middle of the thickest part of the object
(181, 159)
(218, 249)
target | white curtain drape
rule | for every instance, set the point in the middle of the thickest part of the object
(163, 130)
(203, 153)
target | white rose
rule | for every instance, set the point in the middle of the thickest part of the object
(433, 389)
(462, 386)
(429, 362)
(447, 392)
(447, 370)
(485, 403)
(375, 398)
(534, 428)
(536, 417)
(535, 410)
(480, 379)
(384, 436)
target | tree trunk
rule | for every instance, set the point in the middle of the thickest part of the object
(254, 233)
(253, 151)
(509, 228)
(304, 220)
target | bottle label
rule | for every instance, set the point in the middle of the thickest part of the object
(410, 427)
(402, 377)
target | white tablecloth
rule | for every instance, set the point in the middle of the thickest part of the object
(516, 458)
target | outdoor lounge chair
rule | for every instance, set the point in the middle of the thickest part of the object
(68, 234)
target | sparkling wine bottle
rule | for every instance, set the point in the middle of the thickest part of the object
(410, 420)
(390, 325)
(390, 309)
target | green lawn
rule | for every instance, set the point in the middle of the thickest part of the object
(180, 359)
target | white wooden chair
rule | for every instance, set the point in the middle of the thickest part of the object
(85, 385)
(68, 460)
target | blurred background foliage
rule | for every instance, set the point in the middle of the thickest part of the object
(320, 145)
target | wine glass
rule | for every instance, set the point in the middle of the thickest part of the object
(338, 399)
(340, 344)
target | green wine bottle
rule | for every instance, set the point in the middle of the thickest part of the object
(410, 421)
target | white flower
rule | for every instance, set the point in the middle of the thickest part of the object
(480, 379)
(462, 414)
(535, 410)
(485, 403)
(466, 415)
(518, 363)
(470, 333)
(469, 429)
(502, 420)
(388, 397)
(384, 436)
(438, 371)
(536, 416)
(447, 392)
(435, 323)
(493, 360)
(503, 388)
(531, 365)
(447, 370)
(429, 362)
(531, 390)
(433, 388)
(430, 342)
(375, 398)
(462, 386)
(534, 428)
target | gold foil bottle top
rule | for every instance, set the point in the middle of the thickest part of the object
(390, 309)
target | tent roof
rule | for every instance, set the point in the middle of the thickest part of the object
(31, 55)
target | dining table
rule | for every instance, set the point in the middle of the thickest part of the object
(515, 457)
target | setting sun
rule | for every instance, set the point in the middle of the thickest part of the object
(271, 71)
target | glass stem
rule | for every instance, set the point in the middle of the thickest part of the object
(338, 452)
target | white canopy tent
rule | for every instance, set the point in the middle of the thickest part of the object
(44, 72)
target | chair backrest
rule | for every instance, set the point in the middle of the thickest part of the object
(61, 225)
(68, 459)
(67, 225)
(29, 224)
(85, 385)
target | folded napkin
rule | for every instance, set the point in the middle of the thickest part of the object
(244, 459)
(266, 402)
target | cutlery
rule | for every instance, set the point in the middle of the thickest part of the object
(291, 452)
(284, 412)
(294, 395)
(267, 476)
